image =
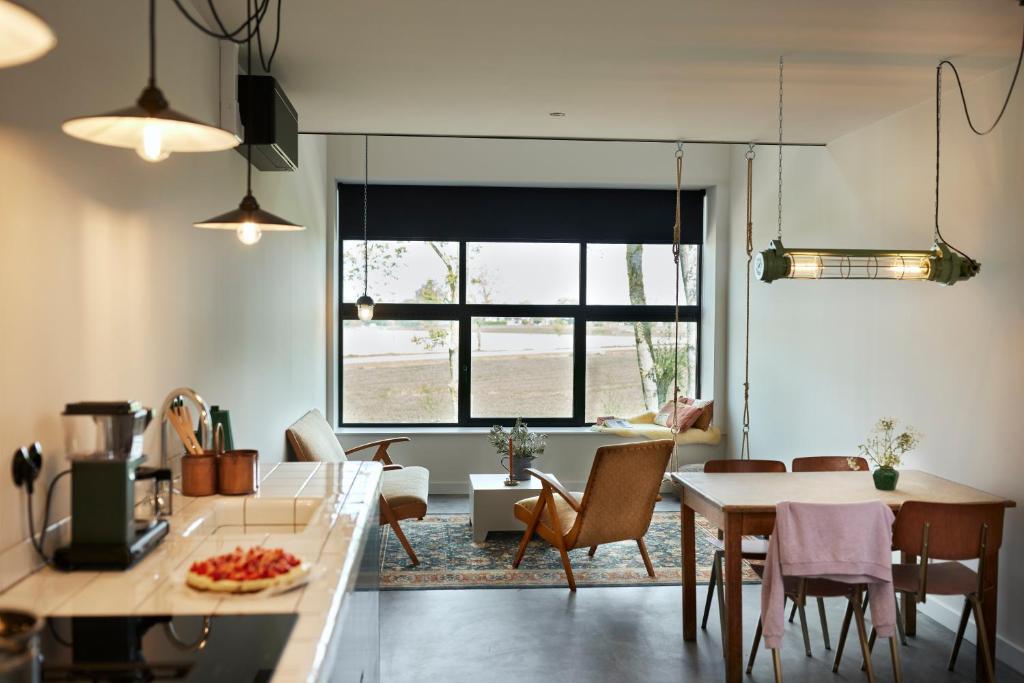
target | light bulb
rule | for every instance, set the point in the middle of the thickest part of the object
(152, 147)
(364, 308)
(249, 233)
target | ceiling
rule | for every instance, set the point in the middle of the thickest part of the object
(690, 69)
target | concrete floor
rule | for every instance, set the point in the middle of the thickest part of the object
(614, 635)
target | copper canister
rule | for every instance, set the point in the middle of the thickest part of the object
(238, 472)
(199, 474)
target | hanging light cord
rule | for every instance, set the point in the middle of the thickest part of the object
(779, 232)
(152, 42)
(366, 244)
(251, 25)
(677, 236)
(970, 123)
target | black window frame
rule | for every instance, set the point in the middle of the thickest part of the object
(599, 225)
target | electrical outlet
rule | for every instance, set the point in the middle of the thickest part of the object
(26, 465)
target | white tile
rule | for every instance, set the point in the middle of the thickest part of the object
(266, 529)
(304, 548)
(269, 511)
(113, 593)
(230, 511)
(304, 509)
(282, 489)
(46, 590)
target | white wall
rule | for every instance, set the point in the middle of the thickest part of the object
(830, 358)
(451, 456)
(106, 291)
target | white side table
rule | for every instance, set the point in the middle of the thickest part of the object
(490, 503)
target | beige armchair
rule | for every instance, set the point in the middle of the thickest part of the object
(403, 489)
(617, 504)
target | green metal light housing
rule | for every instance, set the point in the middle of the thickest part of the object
(940, 264)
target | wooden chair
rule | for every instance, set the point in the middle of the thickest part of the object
(752, 548)
(950, 532)
(403, 489)
(616, 505)
(826, 463)
(829, 463)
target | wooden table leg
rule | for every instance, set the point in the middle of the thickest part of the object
(733, 598)
(907, 603)
(988, 612)
(689, 579)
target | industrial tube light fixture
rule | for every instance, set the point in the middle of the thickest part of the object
(24, 36)
(941, 264)
(151, 127)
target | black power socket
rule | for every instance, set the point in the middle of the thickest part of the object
(26, 465)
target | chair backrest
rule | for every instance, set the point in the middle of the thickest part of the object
(733, 466)
(313, 440)
(618, 501)
(954, 529)
(829, 463)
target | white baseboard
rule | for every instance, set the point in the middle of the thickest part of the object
(937, 609)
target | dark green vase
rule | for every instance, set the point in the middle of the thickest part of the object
(886, 478)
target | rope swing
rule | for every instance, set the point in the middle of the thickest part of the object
(745, 445)
(677, 231)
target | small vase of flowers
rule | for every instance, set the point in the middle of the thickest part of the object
(886, 447)
(518, 445)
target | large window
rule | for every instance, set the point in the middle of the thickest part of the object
(555, 305)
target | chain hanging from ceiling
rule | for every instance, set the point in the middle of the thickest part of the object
(745, 444)
(677, 232)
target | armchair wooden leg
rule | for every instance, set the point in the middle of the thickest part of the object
(556, 527)
(389, 517)
(647, 558)
(568, 567)
(593, 549)
(528, 533)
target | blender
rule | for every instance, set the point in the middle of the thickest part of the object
(104, 444)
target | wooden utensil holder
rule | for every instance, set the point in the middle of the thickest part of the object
(238, 472)
(199, 474)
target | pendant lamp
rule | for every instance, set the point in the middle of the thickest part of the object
(151, 127)
(364, 304)
(942, 263)
(249, 221)
(24, 36)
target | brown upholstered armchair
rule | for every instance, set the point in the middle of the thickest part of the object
(403, 489)
(617, 504)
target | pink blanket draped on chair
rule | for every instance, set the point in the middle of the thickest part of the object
(848, 543)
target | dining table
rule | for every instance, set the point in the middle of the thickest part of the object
(744, 505)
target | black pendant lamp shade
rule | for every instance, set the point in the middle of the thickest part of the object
(24, 37)
(151, 127)
(249, 221)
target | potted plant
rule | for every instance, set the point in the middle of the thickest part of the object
(518, 444)
(886, 448)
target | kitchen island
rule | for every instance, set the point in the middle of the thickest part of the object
(327, 514)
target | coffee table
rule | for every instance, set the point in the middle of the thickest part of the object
(490, 503)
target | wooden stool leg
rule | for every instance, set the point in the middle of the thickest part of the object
(647, 558)
(792, 613)
(803, 626)
(894, 652)
(777, 662)
(979, 620)
(593, 549)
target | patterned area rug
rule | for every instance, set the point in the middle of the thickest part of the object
(449, 558)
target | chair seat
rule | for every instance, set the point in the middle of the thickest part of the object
(944, 578)
(751, 547)
(815, 588)
(406, 487)
(523, 511)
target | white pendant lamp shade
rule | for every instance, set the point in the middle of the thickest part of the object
(24, 37)
(151, 128)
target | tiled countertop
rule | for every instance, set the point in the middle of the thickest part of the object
(317, 511)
